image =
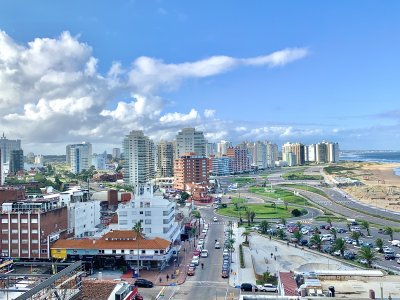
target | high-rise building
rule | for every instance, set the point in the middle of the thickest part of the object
(272, 153)
(333, 152)
(165, 159)
(240, 159)
(139, 158)
(222, 146)
(116, 153)
(16, 161)
(99, 161)
(220, 165)
(1, 170)
(327, 152)
(190, 168)
(297, 149)
(39, 159)
(211, 149)
(7, 146)
(260, 155)
(190, 140)
(80, 157)
(312, 155)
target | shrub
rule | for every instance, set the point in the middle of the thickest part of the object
(296, 213)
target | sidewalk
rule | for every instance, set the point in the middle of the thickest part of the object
(179, 267)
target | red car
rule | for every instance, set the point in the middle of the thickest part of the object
(190, 271)
(196, 253)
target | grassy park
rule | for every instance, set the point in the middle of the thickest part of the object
(284, 195)
(262, 211)
(305, 188)
(241, 181)
(301, 176)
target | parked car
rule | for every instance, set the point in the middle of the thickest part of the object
(303, 242)
(191, 271)
(267, 287)
(144, 283)
(217, 245)
(225, 273)
(204, 253)
(195, 260)
(390, 256)
(248, 287)
(349, 255)
(341, 230)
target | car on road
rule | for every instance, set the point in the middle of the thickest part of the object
(144, 283)
(248, 287)
(217, 245)
(191, 271)
(267, 287)
(204, 231)
(225, 273)
(200, 243)
(196, 260)
(215, 219)
(204, 253)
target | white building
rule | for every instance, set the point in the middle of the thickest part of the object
(99, 161)
(83, 214)
(139, 158)
(222, 146)
(116, 153)
(272, 153)
(190, 140)
(80, 157)
(211, 149)
(156, 214)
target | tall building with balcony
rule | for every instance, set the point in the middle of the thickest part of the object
(165, 159)
(327, 152)
(211, 149)
(240, 160)
(190, 140)
(220, 165)
(157, 215)
(6, 146)
(139, 158)
(223, 146)
(79, 157)
(271, 151)
(297, 149)
(27, 228)
(16, 163)
(190, 168)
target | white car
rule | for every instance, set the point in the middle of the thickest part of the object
(217, 245)
(204, 231)
(215, 219)
(195, 260)
(200, 243)
(204, 253)
(267, 287)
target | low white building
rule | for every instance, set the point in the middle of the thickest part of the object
(83, 213)
(156, 214)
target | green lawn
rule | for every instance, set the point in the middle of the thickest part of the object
(263, 211)
(301, 176)
(305, 188)
(284, 195)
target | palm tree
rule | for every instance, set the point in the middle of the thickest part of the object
(334, 232)
(298, 235)
(379, 244)
(299, 225)
(197, 216)
(389, 231)
(355, 235)
(316, 240)
(252, 216)
(340, 245)
(246, 234)
(248, 216)
(264, 226)
(281, 233)
(329, 220)
(348, 226)
(283, 221)
(365, 225)
(368, 254)
(137, 228)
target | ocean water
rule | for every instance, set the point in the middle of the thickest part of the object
(372, 156)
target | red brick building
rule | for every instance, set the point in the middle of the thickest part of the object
(190, 168)
(11, 194)
(28, 228)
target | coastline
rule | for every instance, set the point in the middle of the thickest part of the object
(380, 183)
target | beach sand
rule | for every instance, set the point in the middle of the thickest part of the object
(381, 186)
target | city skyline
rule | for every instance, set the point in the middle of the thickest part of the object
(284, 72)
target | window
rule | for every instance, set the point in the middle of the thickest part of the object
(147, 221)
(122, 251)
(4, 241)
(24, 251)
(34, 241)
(24, 242)
(14, 241)
(14, 221)
(147, 230)
(155, 251)
(24, 231)
(123, 222)
(130, 251)
(4, 231)
(161, 251)
(34, 231)
(24, 221)
(147, 213)
(14, 231)
(141, 212)
(4, 221)
(35, 251)
(14, 251)
(44, 251)
(4, 252)
(143, 251)
(34, 221)
(114, 251)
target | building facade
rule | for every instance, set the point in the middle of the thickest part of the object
(297, 149)
(116, 153)
(220, 165)
(239, 158)
(157, 215)
(190, 140)
(6, 146)
(190, 168)
(80, 157)
(223, 146)
(139, 158)
(165, 159)
(16, 163)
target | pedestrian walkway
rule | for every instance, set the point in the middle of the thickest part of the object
(172, 274)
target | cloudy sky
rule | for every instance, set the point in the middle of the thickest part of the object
(302, 71)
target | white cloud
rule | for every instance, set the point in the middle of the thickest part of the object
(51, 90)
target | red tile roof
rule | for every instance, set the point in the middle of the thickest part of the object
(288, 283)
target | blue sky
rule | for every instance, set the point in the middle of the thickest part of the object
(176, 64)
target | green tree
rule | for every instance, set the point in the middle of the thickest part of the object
(365, 225)
(137, 228)
(329, 220)
(355, 235)
(317, 241)
(283, 221)
(298, 235)
(252, 216)
(197, 216)
(379, 244)
(246, 234)
(296, 213)
(389, 230)
(281, 233)
(334, 232)
(264, 226)
(340, 245)
(348, 226)
(368, 254)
